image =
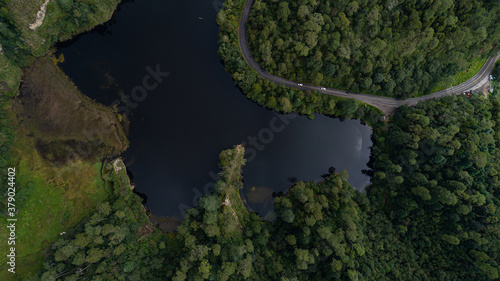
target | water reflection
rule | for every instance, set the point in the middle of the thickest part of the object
(260, 195)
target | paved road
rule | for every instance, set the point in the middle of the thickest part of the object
(387, 105)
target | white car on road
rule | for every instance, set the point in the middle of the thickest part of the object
(300, 84)
(323, 88)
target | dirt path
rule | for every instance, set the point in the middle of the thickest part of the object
(385, 104)
(227, 202)
(40, 15)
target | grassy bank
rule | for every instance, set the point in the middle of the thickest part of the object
(232, 162)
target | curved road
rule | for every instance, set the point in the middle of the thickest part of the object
(387, 105)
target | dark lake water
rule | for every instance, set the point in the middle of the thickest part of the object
(182, 120)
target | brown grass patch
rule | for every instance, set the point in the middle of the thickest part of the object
(65, 122)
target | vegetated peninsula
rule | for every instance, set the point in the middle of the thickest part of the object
(431, 212)
(392, 48)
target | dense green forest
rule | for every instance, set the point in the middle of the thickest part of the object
(392, 48)
(431, 213)
(50, 198)
(6, 139)
(275, 96)
(437, 180)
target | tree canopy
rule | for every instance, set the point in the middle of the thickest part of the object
(392, 48)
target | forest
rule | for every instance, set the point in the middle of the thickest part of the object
(431, 213)
(63, 20)
(115, 242)
(271, 95)
(392, 48)
(19, 45)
